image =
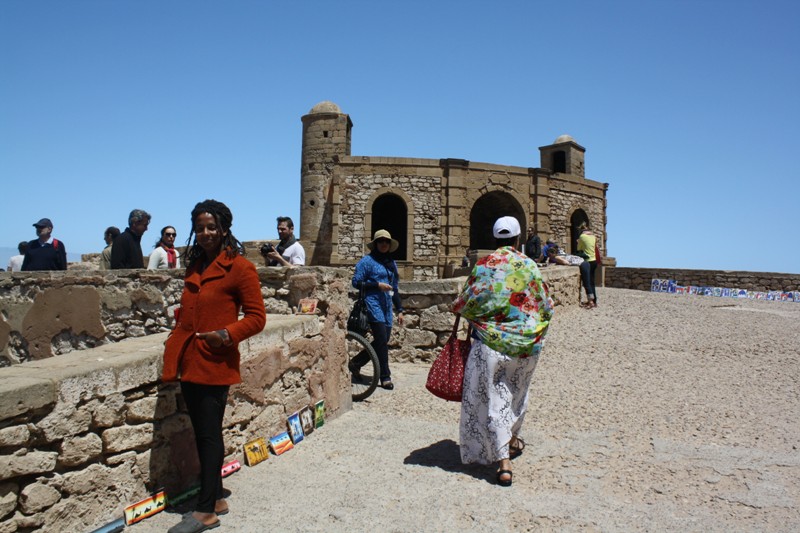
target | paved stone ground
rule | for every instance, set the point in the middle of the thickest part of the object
(653, 412)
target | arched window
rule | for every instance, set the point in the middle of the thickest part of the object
(560, 161)
(390, 212)
(485, 212)
(578, 217)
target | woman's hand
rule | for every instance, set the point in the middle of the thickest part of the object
(215, 339)
(400, 318)
(385, 287)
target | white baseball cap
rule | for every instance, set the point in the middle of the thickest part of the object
(506, 227)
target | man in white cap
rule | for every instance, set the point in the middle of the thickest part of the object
(45, 253)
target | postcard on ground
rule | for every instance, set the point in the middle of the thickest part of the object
(307, 420)
(307, 306)
(145, 508)
(255, 451)
(319, 414)
(296, 428)
(281, 443)
(230, 468)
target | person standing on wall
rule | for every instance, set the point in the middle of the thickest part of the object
(112, 232)
(45, 253)
(376, 273)
(127, 249)
(165, 255)
(587, 248)
(202, 351)
(289, 252)
(507, 304)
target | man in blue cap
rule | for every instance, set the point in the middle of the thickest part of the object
(45, 253)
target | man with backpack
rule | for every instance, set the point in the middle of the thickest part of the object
(45, 253)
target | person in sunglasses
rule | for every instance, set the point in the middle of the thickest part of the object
(165, 255)
(377, 274)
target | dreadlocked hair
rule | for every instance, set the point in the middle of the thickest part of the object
(224, 219)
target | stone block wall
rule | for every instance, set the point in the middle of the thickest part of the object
(563, 205)
(46, 314)
(640, 278)
(85, 435)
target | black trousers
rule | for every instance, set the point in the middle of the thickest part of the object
(206, 404)
(380, 341)
(588, 270)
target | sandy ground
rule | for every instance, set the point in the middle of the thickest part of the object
(653, 412)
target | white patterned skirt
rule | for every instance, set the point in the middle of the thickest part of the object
(494, 403)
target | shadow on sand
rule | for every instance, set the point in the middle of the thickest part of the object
(445, 455)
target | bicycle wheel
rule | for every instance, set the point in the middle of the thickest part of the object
(365, 381)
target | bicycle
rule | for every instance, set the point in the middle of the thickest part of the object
(365, 381)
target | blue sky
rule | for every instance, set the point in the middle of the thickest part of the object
(689, 109)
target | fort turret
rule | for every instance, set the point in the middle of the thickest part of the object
(326, 137)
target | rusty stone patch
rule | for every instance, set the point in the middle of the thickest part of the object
(75, 309)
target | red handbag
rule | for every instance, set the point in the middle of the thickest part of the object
(446, 376)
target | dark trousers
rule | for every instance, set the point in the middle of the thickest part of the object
(380, 341)
(206, 404)
(588, 269)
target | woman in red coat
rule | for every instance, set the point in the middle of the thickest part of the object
(202, 350)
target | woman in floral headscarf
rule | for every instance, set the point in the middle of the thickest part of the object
(508, 306)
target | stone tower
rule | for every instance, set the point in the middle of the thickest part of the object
(564, 156)
(326, 137)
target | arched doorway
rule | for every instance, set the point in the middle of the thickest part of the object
(390, 212)
(578, 217)
(485, 212)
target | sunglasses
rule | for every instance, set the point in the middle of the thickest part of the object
(170, 234)
(386, 241)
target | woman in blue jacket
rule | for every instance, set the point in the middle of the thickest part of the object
(376, 273)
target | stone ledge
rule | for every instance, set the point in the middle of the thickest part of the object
(118, 367)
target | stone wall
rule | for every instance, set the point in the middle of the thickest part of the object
(563, 205)
(45, 314)
(85, 435)
(640, 278)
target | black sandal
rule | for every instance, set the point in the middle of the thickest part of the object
(505, 482)
(387, 384)
(515, 451)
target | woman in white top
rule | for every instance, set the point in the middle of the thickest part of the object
(165, 255)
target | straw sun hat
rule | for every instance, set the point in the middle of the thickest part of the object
(383, 234)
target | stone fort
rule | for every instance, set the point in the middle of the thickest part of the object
(435, 208)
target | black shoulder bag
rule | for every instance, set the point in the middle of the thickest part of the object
(359, 319)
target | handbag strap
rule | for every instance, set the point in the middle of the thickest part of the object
(455, 327)
(361, 292)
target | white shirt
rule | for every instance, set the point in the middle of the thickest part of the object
(15, 263)
(159, 259)
(295, 254)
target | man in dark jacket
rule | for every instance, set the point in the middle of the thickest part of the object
(533, 246)
(126, 252)
(45, 253)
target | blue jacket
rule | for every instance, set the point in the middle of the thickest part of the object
(370, 271)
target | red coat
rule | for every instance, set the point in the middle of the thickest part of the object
(212, 301)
